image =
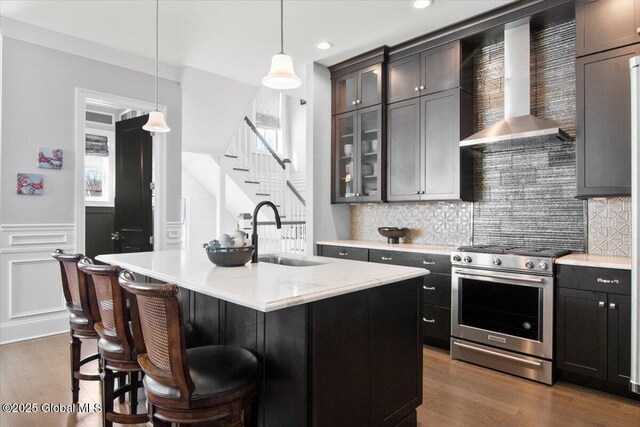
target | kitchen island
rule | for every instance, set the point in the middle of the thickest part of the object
(339, 341)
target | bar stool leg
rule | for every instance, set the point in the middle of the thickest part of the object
(74, 347)
(122, 380)
(107, 385)
(133, 394)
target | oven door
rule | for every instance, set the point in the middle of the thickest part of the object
(504, 310)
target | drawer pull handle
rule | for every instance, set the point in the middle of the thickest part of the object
(428, 262)
(612, 306)
(429, 288)
(601, 304)
(429, 320)
(343, 253)
(612, 281)
(384, 258)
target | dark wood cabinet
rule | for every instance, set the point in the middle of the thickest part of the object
(606, 24)
(356, 254)
(358, 168)
(430, 145)
(603, 147)
(593, 323)
(359, 89)
(434, 70)
(581, 338)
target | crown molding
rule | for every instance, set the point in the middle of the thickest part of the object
(17, 30)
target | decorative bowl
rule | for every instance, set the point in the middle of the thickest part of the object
(393, 234)
(229, 257)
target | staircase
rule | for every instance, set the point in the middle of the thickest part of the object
(262, 174)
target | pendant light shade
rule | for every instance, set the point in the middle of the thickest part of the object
(156, 121)
(281, 75)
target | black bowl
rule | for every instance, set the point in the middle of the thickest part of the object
(230, 257)
(393, 234)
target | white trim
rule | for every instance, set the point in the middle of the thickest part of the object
(44, 239)
(13, 313)
(23, 330)
(31, 34)
(32, 227)
(159, 163)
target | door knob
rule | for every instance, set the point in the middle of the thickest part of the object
(115, 235)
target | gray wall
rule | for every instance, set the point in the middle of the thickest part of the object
(38, 109)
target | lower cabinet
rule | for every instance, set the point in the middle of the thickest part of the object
(593, 327)
(355, 254)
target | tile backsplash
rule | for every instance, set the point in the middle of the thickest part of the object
(610, 226)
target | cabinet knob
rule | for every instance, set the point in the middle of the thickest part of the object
(358, 101)
(601, 304)
(416, 88)
(421, 87)
(612, 306)
(418, 192)
(353, 102)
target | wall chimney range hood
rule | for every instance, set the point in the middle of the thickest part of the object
(518, 122)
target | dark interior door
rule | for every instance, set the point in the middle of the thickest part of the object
(133, 202)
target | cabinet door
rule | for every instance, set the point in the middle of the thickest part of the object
(404, 79)
(441, 68)
(604, 123)
(581, 332)
(440, 140)
(403, 151)
(369, 86)
(368, 149)
(345, 128)
(345, 93)
(619, 338)
(606, 24)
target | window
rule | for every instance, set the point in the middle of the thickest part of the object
(269, 123)
(99, 167)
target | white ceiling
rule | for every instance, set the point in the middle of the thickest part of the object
(237, 38)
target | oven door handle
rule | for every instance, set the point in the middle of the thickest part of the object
(495, 353)
(474, 275)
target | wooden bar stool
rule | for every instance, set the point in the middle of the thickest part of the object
(116, 345)
(202, 384)
(81, 303)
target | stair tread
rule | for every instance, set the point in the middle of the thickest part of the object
(241, 169)
(252, 182)
(231, 156)
(263, 194)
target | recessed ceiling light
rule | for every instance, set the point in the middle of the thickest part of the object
(421, 4)
(324, 45)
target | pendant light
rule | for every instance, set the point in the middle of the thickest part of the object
(281, 75)
(156, 121)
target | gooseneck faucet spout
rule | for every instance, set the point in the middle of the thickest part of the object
(254, 234)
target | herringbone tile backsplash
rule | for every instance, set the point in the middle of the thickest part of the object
(525, 191)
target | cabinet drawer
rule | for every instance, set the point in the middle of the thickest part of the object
(595, 279)
(434, 263)
(436, 322)
(437, 290)
(356, 254)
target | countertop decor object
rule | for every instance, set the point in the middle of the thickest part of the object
(393, 234)
(229, 256)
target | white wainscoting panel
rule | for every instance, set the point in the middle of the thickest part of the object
(31, 298)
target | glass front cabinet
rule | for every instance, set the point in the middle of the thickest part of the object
(358, 173)
(357, 156)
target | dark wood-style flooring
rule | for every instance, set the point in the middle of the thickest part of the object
(455, 393)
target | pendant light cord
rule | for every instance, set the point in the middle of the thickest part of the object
(157, 19)
(281, 26)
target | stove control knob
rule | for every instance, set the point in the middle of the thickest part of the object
(467, 259)
(543, 265)
(457, 258)
(496, 261)
(529, 264)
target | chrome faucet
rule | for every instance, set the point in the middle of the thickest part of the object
(254, 235)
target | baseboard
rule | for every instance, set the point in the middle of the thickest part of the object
(34, 328)
(600, 385)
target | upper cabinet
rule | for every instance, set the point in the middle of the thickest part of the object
(360, 89)
(607, 36)
(437, 69)
(606, 24)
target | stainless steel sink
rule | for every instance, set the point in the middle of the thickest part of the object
(291, 262)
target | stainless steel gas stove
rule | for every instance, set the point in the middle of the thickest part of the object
(502, 308)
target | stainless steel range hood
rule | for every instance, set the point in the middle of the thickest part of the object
(518, 122)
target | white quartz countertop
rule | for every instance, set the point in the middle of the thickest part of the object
(402, 247)
(602, 261)
(262, 286)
